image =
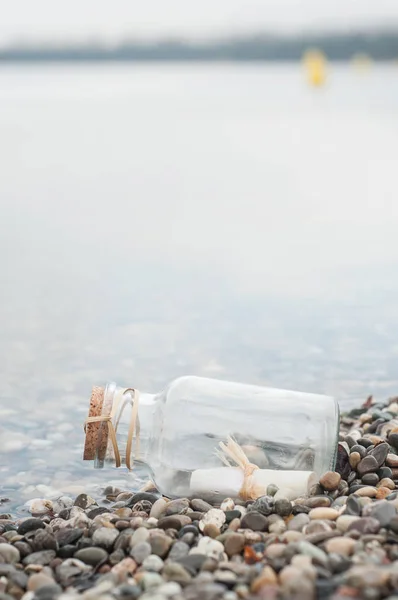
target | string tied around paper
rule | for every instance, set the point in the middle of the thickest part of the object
(119, 404)
(231, 451)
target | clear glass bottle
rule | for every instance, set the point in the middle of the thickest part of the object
(288, 435)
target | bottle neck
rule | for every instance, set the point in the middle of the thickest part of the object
(132, 416)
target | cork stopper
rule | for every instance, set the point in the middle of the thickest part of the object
(96, 440)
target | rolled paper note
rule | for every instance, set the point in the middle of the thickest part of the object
(228, 481)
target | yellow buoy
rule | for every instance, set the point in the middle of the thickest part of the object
(315, 64)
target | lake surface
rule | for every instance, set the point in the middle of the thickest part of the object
(160, 220)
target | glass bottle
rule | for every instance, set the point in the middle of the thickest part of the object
(288, 435)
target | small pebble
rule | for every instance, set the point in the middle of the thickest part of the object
(330, 481)
(324, 513)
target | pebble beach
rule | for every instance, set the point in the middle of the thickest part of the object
(339, 541)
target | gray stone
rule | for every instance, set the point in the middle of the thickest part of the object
(151, 580)
(30, 525)
(263, 505)
(176, 572)
(44, 540)
(178, 550)
(353, 506)
(368, 464)
(370, 479)
(9, 554)
(177, 507)
(92, 555)
(66, 536)
(105, 537)
(84, 501)
(380, 452)
(44, 557)
(140, 535)
(171, 522)
(365, 525)
(254, 521)
(140, 552)
(283, 507)
(200, 505)
(383, 511)
(298, 522)
(153, 563)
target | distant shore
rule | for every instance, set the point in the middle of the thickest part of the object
(378, 45)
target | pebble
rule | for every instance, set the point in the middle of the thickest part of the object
(84, 501)
(368, 491)
(30, 525)
(263, 505)
(9, 554)
(324, 513)
(39, 580)
(383, 511)
(380, 453)
(177, 507)
(254, 521)
(214, 516)
(140, 535)
(234, 544)
(158, 508)
(209, 547)
(365, 525)
(177, 573)
(140, 552)
(392, 461)
(297, 523)
(330, 481)
(386, 482)
(160, 544)
(340, 545)
(178, 550)
(105, 537)
(344, 521)
(44, 557)
(201, 505)
(368, 464)
(153, 563)
(227, 504)
(283, 507)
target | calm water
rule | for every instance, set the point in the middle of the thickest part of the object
(162, 220)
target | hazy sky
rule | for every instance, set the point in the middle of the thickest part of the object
(114, 18)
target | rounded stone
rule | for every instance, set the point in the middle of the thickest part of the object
(370, 479)
(367, 491)
(214, 516)
(30, 525)
(171, 522)
(176, 572)
(178, 550)
(297, 523)
(386, 482)
(330, 514)
(9, 553)
(385, 472)
(209, 547)
(44, 557)
(365, 525)
(355, 459)
(211, 530)
(380, 453)
(393, 438)
(275, 550)
(234, 544)
(177, 507)
(382, 510)
(344, 521)
(39, 580)
(392, 461)
(368, 464)
(263, 505)
(158, 508)
(160, 544)
(105, 537)
(201, 505)
(140, 552)
(153, 563)
(361, 450)
(340, 545)
(283, 507)
(254, 521)
(330, 481)
(91, 556)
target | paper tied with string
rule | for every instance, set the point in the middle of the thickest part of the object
(102, 423)
(240, 478)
